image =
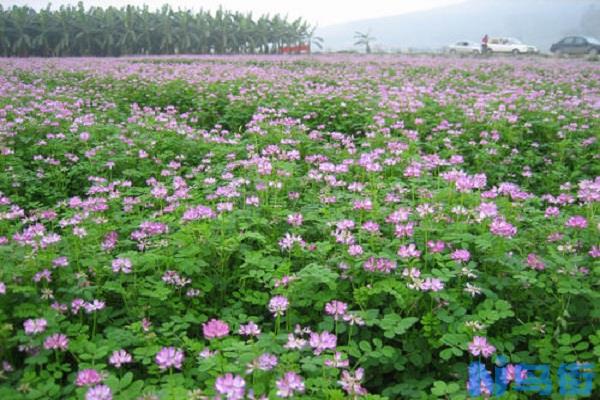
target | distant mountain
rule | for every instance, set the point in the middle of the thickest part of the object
(537, 22)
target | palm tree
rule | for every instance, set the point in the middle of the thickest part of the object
(129, 42)
(311, 39)
(62, 21)
(263, 28)
(202, 29)
(364, 39)
(146, 30)
(20, 27)
(87, 33)
(44, 32)
(167, 31)
(5, 45)
(109, 37)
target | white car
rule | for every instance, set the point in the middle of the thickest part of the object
(509, 45)
(464, 47)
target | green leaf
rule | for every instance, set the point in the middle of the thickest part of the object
(365, 346)
(446, 354)
(439, 388)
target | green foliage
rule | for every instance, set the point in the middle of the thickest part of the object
(227, 184)
(97, 31)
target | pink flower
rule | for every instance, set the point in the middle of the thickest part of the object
(265, 362)
(577, 222)
(336, 308)
(288, 241)
(480, 345)
(33, 326)
(2, 288)
(398, 216)
(555, 237)
(371, 227)
(338, 361)
(343, 236)
(250, 329)
(146, 324)
(589, 190)
(351, 383)
(534, 262)
(95, 305)
(355, 250)
(233, 387)
(120, 357)
(173, 278)
(408, 251)
(364, 204)
(354, 319)
(76, 305)
(43, 275)
(224, 207)
(278, 305)
(7, 367)
(58, 341)
(100, 392)
(253, 201)
(88, 377)
(295, 219)
(500, 227)
(323, 341)
(110, 241)
(60, 262)
(436, 246)
(198, 213)
(432, 284)
(288, 384)
(487, 210)
(285, 280)
(215, 329)
(159, 191)
(294, 343)
(379, 264)
(121, 265)
(345, 224)
(206, 353)
(514, 373)
(169, 357)
(461, 255)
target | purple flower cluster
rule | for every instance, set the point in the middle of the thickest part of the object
(169, 357)
(215, 329)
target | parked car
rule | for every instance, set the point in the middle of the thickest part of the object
(577, 45)
(464, 47)
(509, 45)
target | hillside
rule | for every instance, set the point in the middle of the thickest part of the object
(539, 22)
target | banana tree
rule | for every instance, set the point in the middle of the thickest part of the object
(75, 30)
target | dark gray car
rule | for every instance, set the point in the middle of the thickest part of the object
(577, 45)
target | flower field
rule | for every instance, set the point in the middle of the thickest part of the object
(267, 227)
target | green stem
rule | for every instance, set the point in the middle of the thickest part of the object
(94, 317)
(349, 334)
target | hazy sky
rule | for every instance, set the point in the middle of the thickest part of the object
(322, 12)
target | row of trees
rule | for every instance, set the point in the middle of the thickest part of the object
(96, 31)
